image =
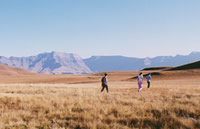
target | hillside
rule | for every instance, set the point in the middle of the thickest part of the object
(194, 65)
(11, 71)
(156, 68)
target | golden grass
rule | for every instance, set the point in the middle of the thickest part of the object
(167, 104)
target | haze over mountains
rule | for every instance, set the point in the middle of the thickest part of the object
(64, 63)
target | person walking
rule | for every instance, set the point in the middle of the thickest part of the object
(148, 77)
(140, 77)
(104, 83)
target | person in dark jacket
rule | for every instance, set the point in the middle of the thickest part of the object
(148, 77)
(104, 82)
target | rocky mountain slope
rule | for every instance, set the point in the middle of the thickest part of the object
(49, 63)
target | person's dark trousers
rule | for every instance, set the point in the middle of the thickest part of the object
(104, 86)
(148, 85)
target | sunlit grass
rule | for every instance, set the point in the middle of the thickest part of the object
(52, 106)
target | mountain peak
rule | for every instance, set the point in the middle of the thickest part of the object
(194, 52)
(49, 63)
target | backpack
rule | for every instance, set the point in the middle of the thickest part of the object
(102, 79)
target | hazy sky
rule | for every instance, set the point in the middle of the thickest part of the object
(134, 28)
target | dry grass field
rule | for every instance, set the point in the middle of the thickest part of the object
(75, 102)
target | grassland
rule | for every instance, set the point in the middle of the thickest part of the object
(167, 104)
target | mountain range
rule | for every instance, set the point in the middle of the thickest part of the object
(121, 63)
(65, 63)
(49, 63)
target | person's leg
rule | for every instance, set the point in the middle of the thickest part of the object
(139, 86)
(148, 84)
(102, 88)
(107, 88)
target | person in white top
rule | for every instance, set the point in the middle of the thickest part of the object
(140, 77)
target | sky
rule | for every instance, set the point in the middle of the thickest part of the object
(133, 28)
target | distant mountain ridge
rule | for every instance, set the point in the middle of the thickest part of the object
(64, 63)
(121, 63)
(49, 63)
(113, 63)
